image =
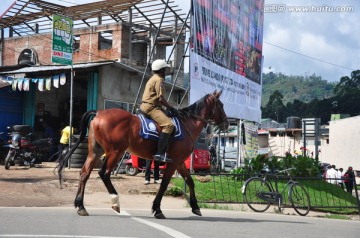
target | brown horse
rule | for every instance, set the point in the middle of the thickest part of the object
(115, 131)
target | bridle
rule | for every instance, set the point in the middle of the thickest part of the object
(208, 120)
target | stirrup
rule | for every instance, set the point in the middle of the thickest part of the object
(162, 158)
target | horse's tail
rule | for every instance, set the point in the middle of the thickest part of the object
(85, 120)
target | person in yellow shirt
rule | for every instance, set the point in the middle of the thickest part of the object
(64, 140)
(65, 135)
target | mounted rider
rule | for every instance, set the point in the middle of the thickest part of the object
(152, 101)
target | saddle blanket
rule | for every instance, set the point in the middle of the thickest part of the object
(148, 129)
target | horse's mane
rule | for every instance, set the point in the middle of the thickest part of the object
(193, 108)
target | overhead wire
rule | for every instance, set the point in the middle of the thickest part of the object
(308, 56)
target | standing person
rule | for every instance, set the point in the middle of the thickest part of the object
(49, 133)
(349, 179)
(148, 171)
(340, 174)
(152, 101)
(331, 175)
(64, 140)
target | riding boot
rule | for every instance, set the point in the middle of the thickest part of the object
(162, 145)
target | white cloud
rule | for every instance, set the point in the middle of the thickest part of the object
(325, 36)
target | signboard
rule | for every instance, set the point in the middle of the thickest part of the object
(227, 54)
(62, 40)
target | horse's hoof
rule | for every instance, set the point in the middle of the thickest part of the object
(197, 212)
(116, 208)
(82, 212)
(159, 216)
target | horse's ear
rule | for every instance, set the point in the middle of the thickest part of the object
(218, 94)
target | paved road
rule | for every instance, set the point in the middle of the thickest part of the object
(103, 222)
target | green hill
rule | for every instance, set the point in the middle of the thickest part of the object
(302, 88)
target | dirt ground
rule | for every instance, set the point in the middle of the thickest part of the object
(39, 187)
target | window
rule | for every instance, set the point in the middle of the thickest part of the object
(76, 45)
(222, 141)
(232, 141)
(105, 40)
(27, 57)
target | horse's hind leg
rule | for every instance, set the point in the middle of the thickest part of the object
(104, 173)
(84, 176)
(190, 182)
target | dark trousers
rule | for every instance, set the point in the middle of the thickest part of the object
(349, 186)
(342, 185)
(61, 149)
(148, 170)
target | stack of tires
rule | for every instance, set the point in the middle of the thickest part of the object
(79, 156)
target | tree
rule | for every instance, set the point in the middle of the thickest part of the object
(348, 94)
(347, 84)
(275, 108)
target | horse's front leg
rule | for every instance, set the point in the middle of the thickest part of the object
(169, 171)
(190, 183)
(84, 176)
(104, 174)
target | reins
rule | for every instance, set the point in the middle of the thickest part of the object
(200, 118)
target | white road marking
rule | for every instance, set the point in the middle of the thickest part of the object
(169, 231)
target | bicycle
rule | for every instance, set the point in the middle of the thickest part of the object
(259, 194)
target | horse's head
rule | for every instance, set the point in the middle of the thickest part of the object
(217, 113)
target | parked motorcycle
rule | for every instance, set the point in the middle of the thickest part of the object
(24, 150)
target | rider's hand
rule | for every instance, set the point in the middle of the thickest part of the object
(173, 111)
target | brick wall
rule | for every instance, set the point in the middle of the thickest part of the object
(88, 52)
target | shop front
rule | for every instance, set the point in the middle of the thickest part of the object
(42, 93)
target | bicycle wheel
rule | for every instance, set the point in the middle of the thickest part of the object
(251, 190)
(299, 199)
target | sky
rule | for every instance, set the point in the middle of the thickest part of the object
(301, 37)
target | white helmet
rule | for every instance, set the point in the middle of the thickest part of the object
(159, 64)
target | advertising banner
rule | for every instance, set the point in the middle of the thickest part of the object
(62, 40)
(227, 54)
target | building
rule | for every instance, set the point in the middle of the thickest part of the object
(269, 138)
(342, 147)
(115, 42)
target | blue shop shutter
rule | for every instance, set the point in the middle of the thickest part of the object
(11, 108)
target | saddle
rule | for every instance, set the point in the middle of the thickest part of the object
(149, 129)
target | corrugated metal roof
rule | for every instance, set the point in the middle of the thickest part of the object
(24, 15)
(34, 69)
(48, 68)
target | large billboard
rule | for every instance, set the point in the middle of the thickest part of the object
(227, 54)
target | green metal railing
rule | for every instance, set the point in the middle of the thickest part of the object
(225, 188)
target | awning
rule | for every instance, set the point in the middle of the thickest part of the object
(47, 68)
